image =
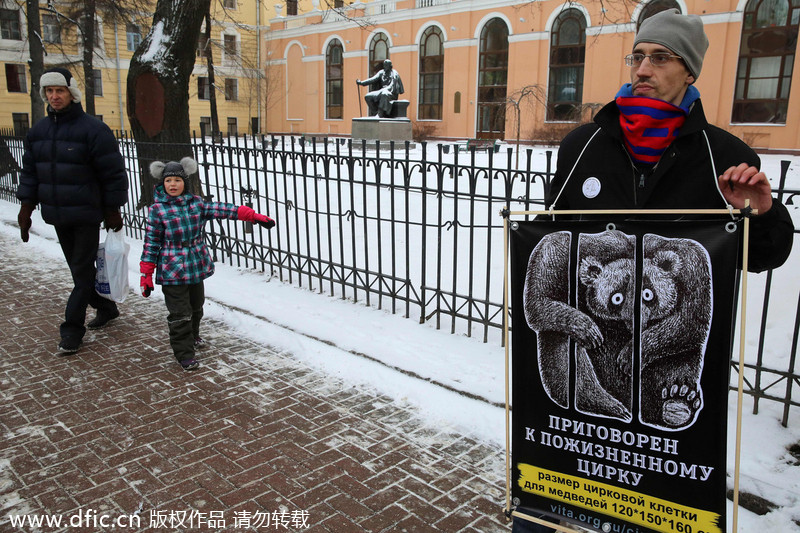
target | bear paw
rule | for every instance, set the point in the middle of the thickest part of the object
(680, 405)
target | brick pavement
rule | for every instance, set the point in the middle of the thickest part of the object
(120, 429)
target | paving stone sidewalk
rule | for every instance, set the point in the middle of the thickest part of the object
(119, 431)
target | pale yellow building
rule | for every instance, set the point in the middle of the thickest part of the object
(238, 27)
(467, 66)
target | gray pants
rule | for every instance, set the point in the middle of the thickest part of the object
(185, 306)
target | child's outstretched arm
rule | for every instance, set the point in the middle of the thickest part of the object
(247, 214)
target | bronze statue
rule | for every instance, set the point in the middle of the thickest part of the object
(379, 101)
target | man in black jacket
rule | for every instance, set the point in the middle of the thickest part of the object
(652, 148)
(73, 169)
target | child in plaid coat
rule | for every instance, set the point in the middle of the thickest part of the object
(174, 249)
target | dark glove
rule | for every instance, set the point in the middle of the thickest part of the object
(146, 282)
(24, 220)
(264, 221)
(248, 215)
(112, 220)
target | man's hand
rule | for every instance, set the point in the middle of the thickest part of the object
(24, 221)
(112, 220)
(746, 182)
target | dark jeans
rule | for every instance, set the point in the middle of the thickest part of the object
(185, 306)
(79, 244)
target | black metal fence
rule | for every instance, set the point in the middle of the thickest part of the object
(416, 230)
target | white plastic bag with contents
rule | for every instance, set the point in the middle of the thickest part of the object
(111, 281)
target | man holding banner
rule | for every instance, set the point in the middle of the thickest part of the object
(650, 148)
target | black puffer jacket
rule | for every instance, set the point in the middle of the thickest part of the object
(73, 168)
(684, 178)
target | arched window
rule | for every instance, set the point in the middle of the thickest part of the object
(766, 59)
(492, 80)
(431, 74)
(333, 80)
(656, 6)
(378, 51)
(567, 55)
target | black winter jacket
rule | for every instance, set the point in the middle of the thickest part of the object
(73, 168)
(684, 178)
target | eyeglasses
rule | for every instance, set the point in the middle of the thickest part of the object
(659, 59)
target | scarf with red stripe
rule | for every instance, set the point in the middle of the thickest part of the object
(649, 125)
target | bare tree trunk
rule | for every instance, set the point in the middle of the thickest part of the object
(212, 84)
(159, 74)
(37, 59)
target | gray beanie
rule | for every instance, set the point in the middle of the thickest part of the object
(59, 77)
(683, 34)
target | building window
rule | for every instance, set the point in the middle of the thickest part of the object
(98, 32)
(9, 24)
(98, 82)
(16, 81)
(291, 7)
(378, 52)
(766, 60)
(567, 55)
(656, 6)
(202, 44)
(232, 128)
(205, 126)
(255, 128)
(51, 29)
(229, 47)
(21, 123)
(492, 80)
(203, 88)
(431, 74)
(230, 4)
(231, 89)
(134, 36)
(333, 80)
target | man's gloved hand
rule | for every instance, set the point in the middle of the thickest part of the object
(24, 220)
(248, 215)
(146, 282)
(112, 219)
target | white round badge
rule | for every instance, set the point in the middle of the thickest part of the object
(591, 187)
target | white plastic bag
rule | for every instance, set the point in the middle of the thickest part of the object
(111, 281)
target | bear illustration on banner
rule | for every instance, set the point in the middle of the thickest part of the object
(674, 302)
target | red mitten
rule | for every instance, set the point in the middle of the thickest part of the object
(264, 221)
(248, 215)
(146, 282)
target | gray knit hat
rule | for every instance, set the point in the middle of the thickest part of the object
(683, 34)
(59, 77)
(183, 169)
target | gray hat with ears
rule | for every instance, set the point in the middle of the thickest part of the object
(160, 170)
(59, 77)
(683, 34)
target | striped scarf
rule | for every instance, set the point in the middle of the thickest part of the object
(649, 125)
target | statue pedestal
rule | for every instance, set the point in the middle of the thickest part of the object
(381, 129)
